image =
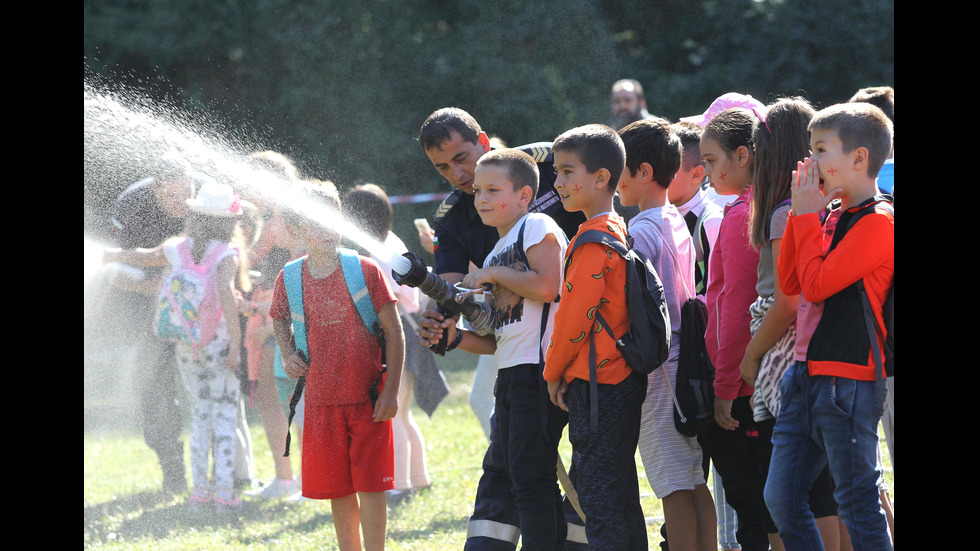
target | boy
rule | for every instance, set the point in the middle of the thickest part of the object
(686, 191)
(672, 461)
(832, 396)
(518, 491)
(344, 360)
(589, 161)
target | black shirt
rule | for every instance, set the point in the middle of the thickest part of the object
(463, 237)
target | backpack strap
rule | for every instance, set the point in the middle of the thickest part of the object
(608, 240)
(545, 399)
(350, 263)
(292, 277)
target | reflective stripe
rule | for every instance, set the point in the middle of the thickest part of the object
(493, 529)
(297, 317)
(576, 533)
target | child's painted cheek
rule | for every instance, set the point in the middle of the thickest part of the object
(832, 171)
(722, 177)
(577, 188)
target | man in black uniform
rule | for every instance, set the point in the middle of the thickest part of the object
(146, 214)
(453, 140)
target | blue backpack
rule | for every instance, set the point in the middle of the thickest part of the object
(292, 275)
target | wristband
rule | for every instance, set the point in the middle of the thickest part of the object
(455, 343)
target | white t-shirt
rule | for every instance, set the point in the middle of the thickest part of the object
(517, 323)
(661, 234)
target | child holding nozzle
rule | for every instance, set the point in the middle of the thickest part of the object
(518, 494)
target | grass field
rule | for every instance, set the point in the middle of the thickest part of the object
(125, 509)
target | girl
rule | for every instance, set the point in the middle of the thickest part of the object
(737, 444)
(781, 140)
(208, 369)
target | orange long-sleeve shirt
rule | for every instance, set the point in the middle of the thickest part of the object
(595, 279)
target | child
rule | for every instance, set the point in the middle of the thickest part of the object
(686, 191)
(209, 372)
(369, 206)
(689, 192)
(519, 482)
(347, 446)
(672, 461)
(780, 141)
(832, 396)
(589, 161)
(738, 445)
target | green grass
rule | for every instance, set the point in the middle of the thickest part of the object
(124, 508)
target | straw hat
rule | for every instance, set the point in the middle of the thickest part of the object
(214, 199)
(728, 101)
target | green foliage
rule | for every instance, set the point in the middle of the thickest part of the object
(342, 87)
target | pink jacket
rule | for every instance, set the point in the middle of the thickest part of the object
(732, 275)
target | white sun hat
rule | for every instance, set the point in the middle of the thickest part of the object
(215, 199)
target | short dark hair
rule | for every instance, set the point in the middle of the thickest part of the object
(652, 141)
(882, 96)
(522, 170)
(438, 127)
(732, 128)
(690, 135)
(858, 125)
(598, 146)
(368, 206)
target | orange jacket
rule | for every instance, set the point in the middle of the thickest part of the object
(594, 279)
(866, 251)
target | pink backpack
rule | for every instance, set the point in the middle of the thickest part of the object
(188, 309)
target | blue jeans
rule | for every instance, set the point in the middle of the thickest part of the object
(825, 420)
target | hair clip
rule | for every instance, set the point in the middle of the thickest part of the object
(762, 117)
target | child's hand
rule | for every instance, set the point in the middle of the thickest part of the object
(294, 365)
(557, 392)
(387, 405)
(807, 195)
(476, 278)
(723, 414)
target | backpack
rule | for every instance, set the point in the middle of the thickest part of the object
(647, 342)
(188, 309)
(292, 275)
(695, 374)
(887, 204)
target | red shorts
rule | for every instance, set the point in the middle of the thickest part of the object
(345, 451)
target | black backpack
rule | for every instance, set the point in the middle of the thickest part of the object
(695, 374)
(646, 345)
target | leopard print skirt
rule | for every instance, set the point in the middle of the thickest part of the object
(774, 364)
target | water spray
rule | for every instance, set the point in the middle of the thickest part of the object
(451, 300)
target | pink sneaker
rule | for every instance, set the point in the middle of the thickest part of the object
(221, 505)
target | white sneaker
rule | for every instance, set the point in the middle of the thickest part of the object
(278, 488)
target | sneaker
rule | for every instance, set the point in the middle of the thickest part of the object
(396, 497)
(276, 489)
(222, 505)
(297, 498)
(198, 502)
